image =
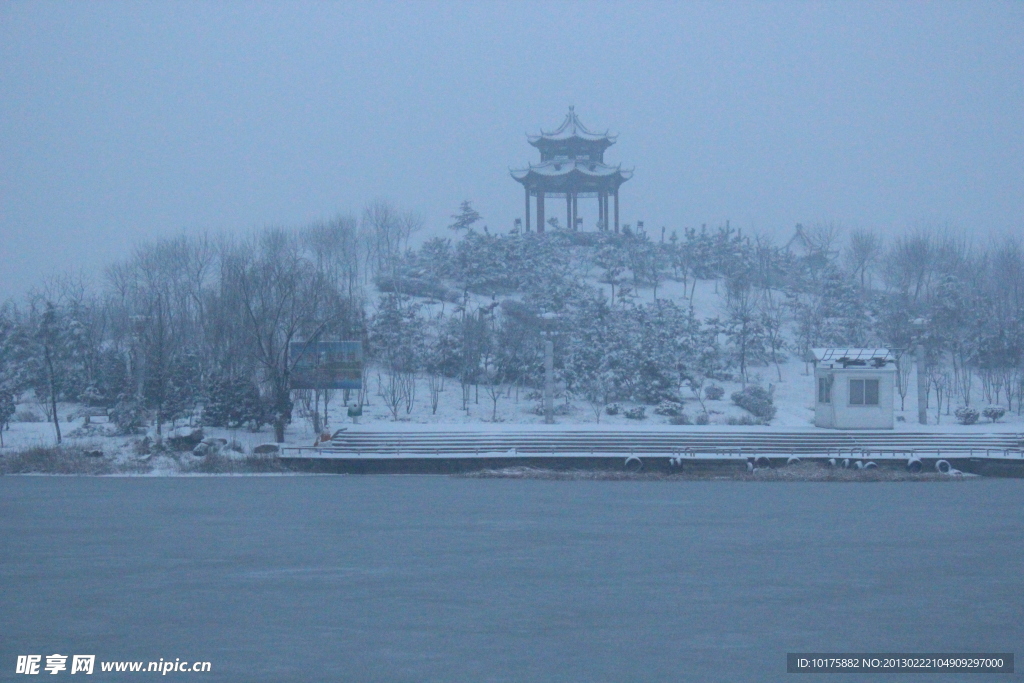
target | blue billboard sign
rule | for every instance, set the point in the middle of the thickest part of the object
(326, 365)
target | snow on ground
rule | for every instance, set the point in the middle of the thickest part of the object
(794, 397)
(794, 400)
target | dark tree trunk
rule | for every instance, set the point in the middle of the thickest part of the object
(53, 390)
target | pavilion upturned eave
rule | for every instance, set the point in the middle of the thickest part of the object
(558, 167)
(573, 182)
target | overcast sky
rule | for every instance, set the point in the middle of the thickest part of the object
(121, 122)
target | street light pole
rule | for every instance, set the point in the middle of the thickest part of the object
(549, 382)
(922, 372)
(548, 323)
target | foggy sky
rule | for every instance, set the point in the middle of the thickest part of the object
(124, 122)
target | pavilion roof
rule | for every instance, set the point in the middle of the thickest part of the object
(571, 128)
(563, 167)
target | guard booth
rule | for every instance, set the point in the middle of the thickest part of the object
(854, 388)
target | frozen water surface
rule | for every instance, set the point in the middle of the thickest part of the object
(444, 579)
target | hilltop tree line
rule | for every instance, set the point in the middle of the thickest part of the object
(197, 321)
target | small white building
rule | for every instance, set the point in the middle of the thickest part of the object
(854, 388)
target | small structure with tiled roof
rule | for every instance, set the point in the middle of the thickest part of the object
(854, 388)
(572, 166)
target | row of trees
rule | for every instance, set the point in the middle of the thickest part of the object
(198, 320)
(186, 321)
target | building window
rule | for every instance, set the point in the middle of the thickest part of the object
(863, 392)
(824, 390)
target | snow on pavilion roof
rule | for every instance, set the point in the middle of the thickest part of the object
(572, 127)
(563, 167)
(859, 357)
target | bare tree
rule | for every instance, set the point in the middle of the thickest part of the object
(435, 385)
(282, 299)
(862, 253)
(387, 233)
(773, 319)
(392, 389)
(904, 365)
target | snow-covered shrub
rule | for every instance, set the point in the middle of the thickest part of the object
(185, 438)
(745, 421)
(27, 415)
(702, 419)
(755, 400)
(613, 409)
(233, 403)
(560, 408)
(128, 416)
(680, 419)
(714, 393)
(993, 413)
(669, 409)
(966, 415)
(653, 384)
(638, 413)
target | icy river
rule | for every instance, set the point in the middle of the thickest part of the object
(408, 578)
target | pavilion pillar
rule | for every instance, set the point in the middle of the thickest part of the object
(568, 210)
(616, 210)
(540, 210)
(527, 214)
(600, 210)
(575, 211)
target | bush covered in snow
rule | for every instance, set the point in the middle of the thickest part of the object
(755, 400)
(27, 415)
(993, 413)
(966, 415)
(669, 409)
(560, 408)
(613, 409)
(702, 419)
(680, 419)
(235, 402)
(128, 416)
(638, 413)
(714, 393)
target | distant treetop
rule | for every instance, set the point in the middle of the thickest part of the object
(466, 217)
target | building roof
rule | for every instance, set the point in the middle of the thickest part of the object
(571, 127)
(561, 167)
(857, 357)
(586, 175)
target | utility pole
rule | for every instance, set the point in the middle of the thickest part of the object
(922, 372)
(549, 382)
(548, 329)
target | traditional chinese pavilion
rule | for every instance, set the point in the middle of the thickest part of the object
(572, 166)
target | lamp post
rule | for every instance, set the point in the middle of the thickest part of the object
(548, 321)
(139, 324)
(919, 326)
